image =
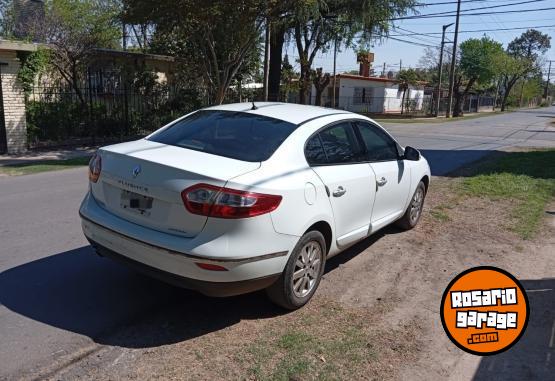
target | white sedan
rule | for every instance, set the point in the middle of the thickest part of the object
(242, 197)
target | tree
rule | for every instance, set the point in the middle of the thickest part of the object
(216, 36)
(521, 59)
(73, 29)
(320, 82)
(315, 25)
(478, 64)
(407, 78)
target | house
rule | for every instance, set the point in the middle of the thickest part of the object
(367, 94)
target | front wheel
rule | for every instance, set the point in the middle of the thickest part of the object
(302, 274)
(414, 211)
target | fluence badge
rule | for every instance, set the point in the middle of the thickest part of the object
(484, 310)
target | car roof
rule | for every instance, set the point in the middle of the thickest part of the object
(288, 112)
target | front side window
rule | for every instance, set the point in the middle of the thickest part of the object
(379, 146)
(236, 135)
(335, 145)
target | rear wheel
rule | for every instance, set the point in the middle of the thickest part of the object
(302, 274)
(414, 211)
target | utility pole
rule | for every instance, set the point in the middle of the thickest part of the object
(334, 72)
(440, 74)
(453, 61)
(383, 70)
(266, 59)
(400, 65)
(546, 92)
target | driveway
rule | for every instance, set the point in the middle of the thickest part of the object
(59, 301)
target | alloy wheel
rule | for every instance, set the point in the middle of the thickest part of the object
(307, 269)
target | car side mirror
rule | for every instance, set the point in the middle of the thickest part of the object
(411, 154)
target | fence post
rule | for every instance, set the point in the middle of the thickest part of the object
(91, 116)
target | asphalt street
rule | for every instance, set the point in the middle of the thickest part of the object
(449, 145)
(57, 298)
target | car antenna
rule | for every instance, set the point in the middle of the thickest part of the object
(254, 106)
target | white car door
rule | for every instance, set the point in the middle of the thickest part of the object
(336, 157)
(392, 174)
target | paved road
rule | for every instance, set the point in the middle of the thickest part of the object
(449, 145)
(57, 298)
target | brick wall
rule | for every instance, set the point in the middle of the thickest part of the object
(14, 103)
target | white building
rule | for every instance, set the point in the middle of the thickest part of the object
(370, 94)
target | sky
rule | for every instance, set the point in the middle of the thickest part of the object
(392, 52)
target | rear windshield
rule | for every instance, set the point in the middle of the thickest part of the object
(236, 135)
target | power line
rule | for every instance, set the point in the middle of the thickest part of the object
(489, 7)
(469, 14)
(472, 31)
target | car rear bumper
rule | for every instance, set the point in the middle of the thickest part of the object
(255, 255)
(217, 289)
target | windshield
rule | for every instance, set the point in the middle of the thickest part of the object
(237, 135)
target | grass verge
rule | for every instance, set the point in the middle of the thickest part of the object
(323, 342)
(42, 166)
(527, 179)
(437, 120)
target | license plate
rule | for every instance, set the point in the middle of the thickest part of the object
(136, 202)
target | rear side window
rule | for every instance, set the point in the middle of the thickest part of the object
(334, 145)
(236, 135)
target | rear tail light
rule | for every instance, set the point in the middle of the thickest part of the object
(213, 201)
(95, 166)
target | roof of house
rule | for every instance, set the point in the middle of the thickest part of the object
(19, 45)
(289, 112)
(130, 53)
(363, 78)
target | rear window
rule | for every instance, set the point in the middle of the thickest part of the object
(236, 135)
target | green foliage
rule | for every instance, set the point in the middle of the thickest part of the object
(479, 59)
(529, 45)
(81, 24)
(218, 38)
(33, 65)
(6, 19)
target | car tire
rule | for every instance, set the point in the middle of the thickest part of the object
(302, 274)
(414, 210)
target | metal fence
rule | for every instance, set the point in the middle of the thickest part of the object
(94, 114)
(61, 115)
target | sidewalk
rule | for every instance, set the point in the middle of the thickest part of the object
(42, 155)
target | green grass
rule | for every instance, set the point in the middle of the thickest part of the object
(42, 166)
(527, 179)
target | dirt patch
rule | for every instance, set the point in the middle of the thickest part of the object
(375, 315)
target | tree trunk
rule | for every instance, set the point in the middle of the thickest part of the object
(304, 84)
(507, 88)
(277, 40)
(403, 101)
(461, 98)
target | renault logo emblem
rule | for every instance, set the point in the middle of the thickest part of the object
(136, 171)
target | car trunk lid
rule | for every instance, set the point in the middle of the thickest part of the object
(142, 182)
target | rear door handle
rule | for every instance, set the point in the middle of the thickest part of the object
(340, 191)
(381, 182)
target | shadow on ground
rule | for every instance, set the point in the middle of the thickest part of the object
(80, 292)
(533, 357)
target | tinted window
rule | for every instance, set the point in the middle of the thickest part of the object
(236, 135)
(379, 146)
(340, 144)
(314, 151)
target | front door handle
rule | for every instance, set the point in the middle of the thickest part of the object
(381, 182)
(340, 191)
